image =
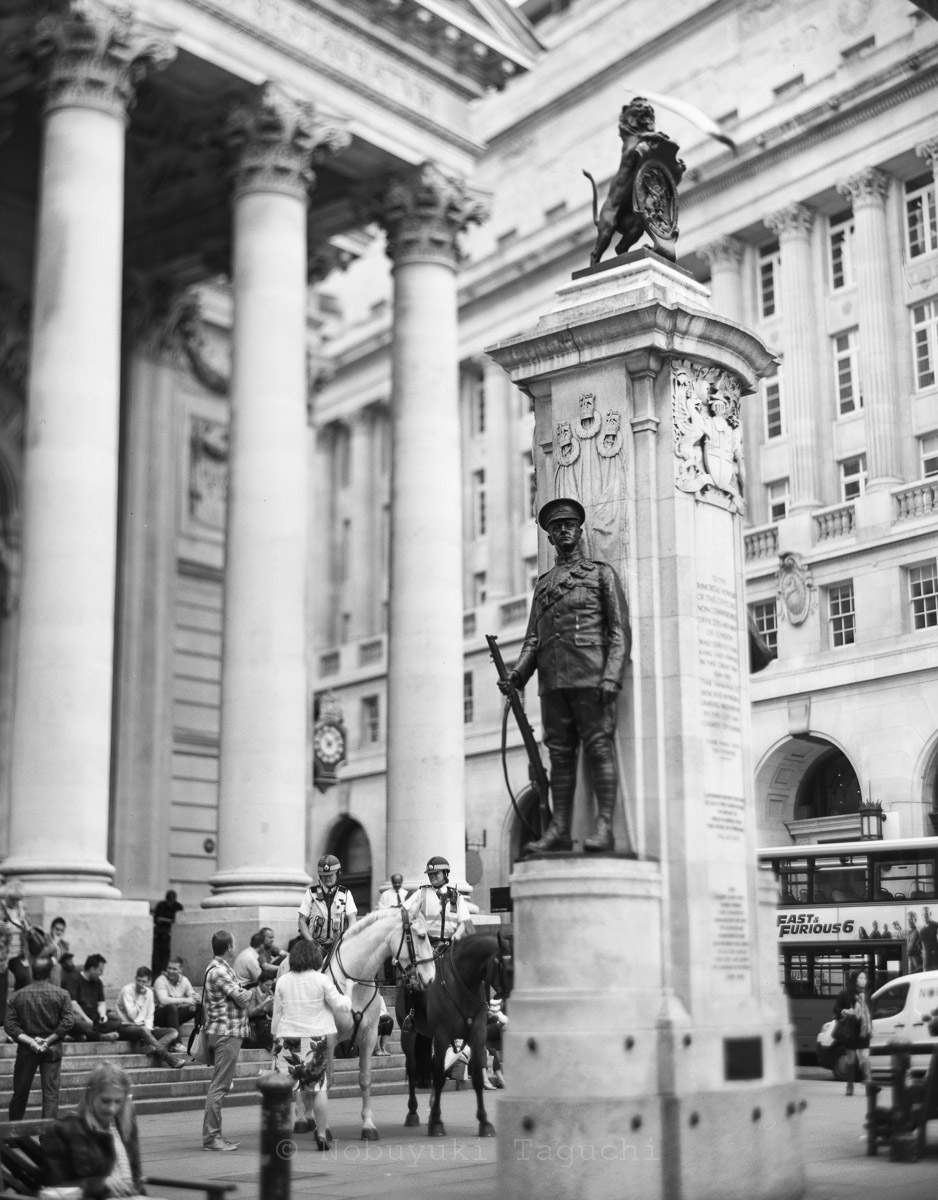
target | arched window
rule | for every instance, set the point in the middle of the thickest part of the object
(349, 843)
(829, 789)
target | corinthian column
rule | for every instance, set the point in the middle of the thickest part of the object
(876, 345)
(263, 767)
(725, 256)
(792, 226)
(423, 215)
(61, 754)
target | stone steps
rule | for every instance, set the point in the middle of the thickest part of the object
(162, 1089)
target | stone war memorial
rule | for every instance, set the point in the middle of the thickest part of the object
(650, 1048)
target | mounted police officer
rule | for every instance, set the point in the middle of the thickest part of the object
(578, 639)
(448, 919)
(448, 916)
(327, 908)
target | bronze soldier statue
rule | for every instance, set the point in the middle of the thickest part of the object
(578, 639)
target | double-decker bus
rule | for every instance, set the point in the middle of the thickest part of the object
(848, 906)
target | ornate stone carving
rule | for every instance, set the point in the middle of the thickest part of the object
(867, 188)
(189, 330)
(589, 466)
(929, 151)
(423, 213)
(277, 139)
(322, 258)
(589, 422)
(10, 571)
(96, 53)
(722, 252)
(208, 472)
(14, 338)
(795, 588)
(705, 405)
(794, 220)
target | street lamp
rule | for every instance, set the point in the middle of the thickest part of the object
(871, 820)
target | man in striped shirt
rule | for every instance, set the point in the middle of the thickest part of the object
(225, 1007)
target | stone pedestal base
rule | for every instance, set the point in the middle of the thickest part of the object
(615, 1087)
(192, 933)
(121, 930)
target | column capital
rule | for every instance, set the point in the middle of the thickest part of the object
(322, 258)
(276, 139)
(929, 150)
(722, 252)
(792, 221)
(96, 54)
(868, 188)
(423, 213)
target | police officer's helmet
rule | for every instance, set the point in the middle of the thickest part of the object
(329, 865)
(438, 863)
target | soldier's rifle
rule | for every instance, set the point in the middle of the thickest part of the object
(536, 773)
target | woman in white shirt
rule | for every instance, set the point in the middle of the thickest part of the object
(302, 1021)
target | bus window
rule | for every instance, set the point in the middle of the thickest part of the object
(841, 879)
(905, 878)
(793, 881)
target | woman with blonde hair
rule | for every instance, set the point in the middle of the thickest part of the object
(97, 1147)
(302, 1021)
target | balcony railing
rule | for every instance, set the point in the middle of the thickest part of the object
(836, 522)
(919, 500)
(329, 663)
(370, 652)
(761, 543)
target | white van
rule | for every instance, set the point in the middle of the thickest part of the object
(902, 1008)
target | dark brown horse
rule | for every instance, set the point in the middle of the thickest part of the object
(454, 1006)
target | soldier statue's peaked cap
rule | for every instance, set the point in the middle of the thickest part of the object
(561, 509)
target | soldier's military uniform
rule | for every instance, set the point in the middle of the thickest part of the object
(578, 639)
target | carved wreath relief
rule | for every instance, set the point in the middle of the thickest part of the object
(589, 466)
(708, 445)
(208, 472)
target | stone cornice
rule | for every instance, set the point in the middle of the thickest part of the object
(276, 138)
(95, 53)
(792, 221)
(423, 213)
(866, 189)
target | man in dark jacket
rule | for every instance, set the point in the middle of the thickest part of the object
(578, 639)
(38, 1018)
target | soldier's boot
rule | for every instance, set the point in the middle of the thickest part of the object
(557, 835)
(605, 785)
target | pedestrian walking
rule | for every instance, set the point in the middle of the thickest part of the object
(225, 1004)
(38, 1018)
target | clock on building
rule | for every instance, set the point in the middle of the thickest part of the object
(328, 741)
(329, 744)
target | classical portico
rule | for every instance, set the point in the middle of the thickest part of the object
(205, 184)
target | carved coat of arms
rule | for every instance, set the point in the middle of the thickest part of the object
(708, 446)
(794, 587)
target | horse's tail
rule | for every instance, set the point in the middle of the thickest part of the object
(595, 198)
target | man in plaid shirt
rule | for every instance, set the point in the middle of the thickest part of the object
(225, 1004)
(37, 1019)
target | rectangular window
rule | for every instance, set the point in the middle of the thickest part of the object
(479, 589)
(766, 618)
(530, 483)
(841, 617)
(925, 342)
(478, 504)
(468, 703)
(772, 397)
(921, 225)
(478, 407)
(853, 477)
(769, 270)
(778, 499)
(860, 50)
(840, 246)
(929, 449)
(846, 377)
(371, 720)
(923, 596)
(789, 87)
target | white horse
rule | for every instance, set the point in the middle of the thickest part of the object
(358, 957)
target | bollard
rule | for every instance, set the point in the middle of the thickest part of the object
(277, 1145)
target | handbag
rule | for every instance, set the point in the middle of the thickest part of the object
(36, 940)
(197, 1047)
(846, 1029)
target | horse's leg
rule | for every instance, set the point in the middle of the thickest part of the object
(435, 1126)
(477, 1073)
(367, 1037)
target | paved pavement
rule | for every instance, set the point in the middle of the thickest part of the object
(406, 1165)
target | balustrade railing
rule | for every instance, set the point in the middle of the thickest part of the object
(761, 543)
(835, 522)
(917, 500)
